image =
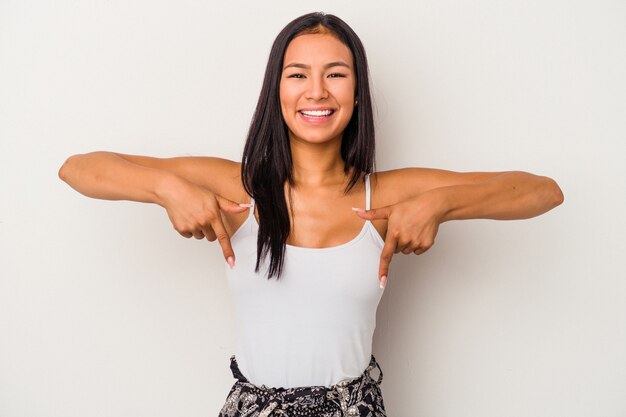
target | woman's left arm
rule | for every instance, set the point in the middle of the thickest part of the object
(504, 196)
(427, 198)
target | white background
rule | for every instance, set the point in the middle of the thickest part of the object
(106, 311)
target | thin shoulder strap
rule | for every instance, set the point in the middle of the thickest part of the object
(367, 192)
(251, 207)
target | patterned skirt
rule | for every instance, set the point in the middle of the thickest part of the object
(357, 397)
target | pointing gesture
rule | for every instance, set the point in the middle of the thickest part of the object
(195, 211)
(411, 228)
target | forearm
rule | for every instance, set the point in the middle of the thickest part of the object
(507, 196)
(106, 176)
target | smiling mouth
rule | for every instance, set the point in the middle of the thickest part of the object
(316, 113)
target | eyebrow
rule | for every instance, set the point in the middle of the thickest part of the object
(329, 65)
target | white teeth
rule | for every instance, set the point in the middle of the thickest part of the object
(316, 113)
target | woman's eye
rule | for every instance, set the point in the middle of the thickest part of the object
(333, 75)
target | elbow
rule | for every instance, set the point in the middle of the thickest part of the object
(559, 195)
(554, 194)
(67, 167)
(63, 171)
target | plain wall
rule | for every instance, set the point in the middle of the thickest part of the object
(106, 311)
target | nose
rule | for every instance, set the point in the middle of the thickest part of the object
(317, 88)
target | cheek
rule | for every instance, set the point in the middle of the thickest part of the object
(347, 99)
(283, 104)
(345, 93)
(286, 98)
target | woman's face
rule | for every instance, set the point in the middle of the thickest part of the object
(317, 88)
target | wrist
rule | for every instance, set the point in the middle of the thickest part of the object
(165, 186)
(440, 199)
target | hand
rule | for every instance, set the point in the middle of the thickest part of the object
(195, 211)
(411, 228)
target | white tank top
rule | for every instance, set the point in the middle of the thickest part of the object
(313, 326)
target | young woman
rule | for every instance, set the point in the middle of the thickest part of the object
(308, 256)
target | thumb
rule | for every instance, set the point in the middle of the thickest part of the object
(373, 214)
(230, 206)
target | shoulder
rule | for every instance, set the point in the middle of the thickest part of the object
(220, 175)
(392, 186)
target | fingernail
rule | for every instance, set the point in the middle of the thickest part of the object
(231, 262)
(360, 210)
(383, 281)
(245, 205)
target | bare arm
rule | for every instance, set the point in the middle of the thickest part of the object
(191, 189)
(115, 176)
(505, 196)
(472, 195)
(108, 176)
(427, 197)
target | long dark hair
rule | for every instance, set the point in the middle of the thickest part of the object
(266, 162)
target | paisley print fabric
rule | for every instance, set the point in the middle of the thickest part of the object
(357, 397)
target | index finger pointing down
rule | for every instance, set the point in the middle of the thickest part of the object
(224, 241)
(385, 259)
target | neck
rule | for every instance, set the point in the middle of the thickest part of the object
(317, 165)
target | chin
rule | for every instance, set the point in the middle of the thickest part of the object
(315, 138)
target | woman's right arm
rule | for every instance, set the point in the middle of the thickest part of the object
(115, 176)
(191, 189)
(109, 176)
